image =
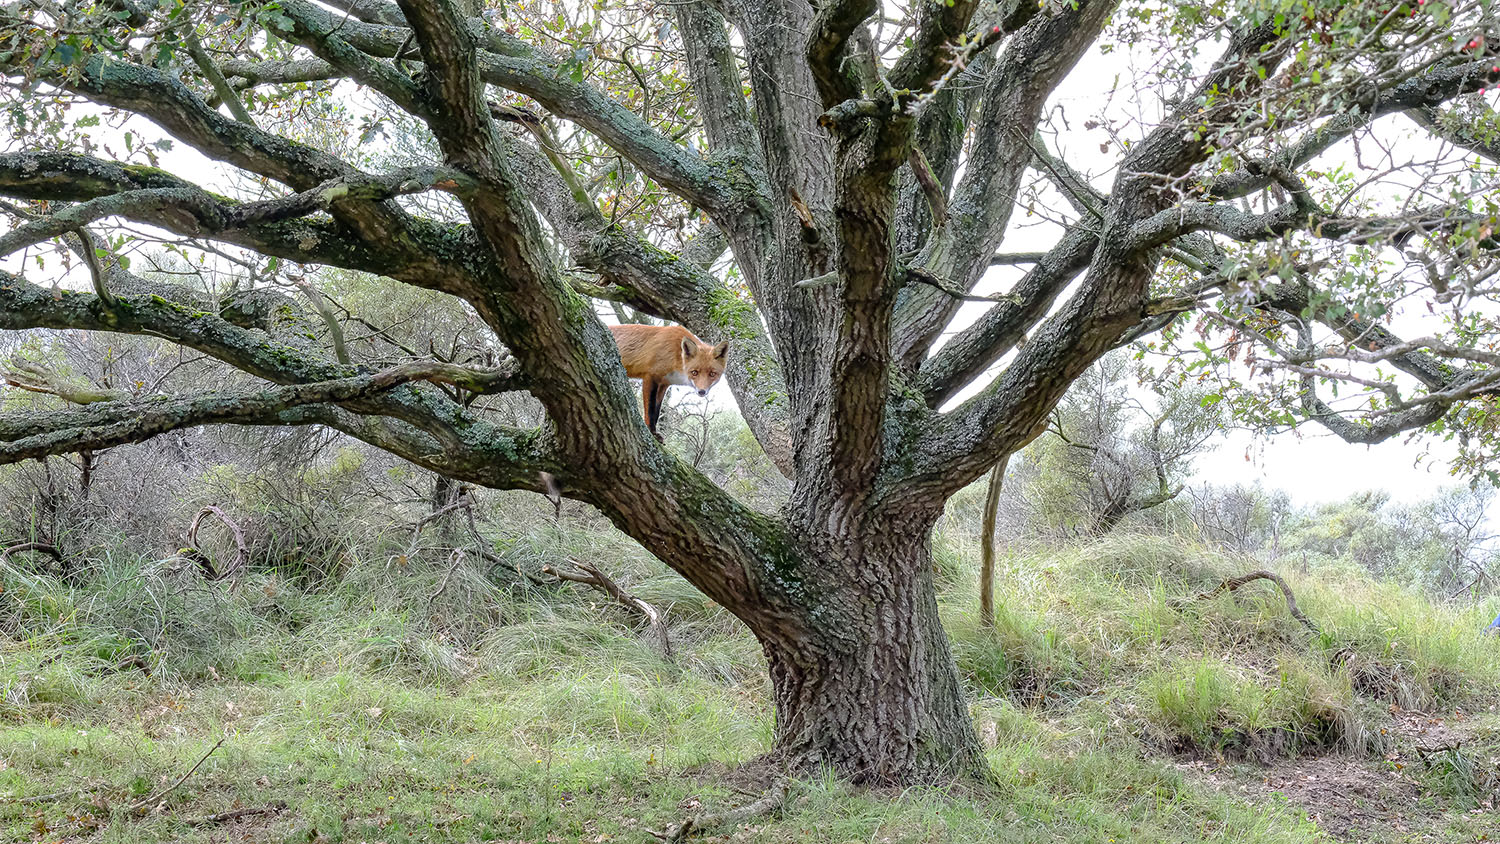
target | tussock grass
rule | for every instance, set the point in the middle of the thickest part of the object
(505, 710)
(1236, 675)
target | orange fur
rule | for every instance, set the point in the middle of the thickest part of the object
(663, 355)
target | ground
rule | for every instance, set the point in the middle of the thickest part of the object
(1114, 707)
(1410, 793)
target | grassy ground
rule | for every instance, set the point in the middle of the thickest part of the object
(1114, 707)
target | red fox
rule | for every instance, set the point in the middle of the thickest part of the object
(664, 355)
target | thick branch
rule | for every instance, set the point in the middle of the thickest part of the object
(665, 285)
(1032, 64)
(29, 435)
(1013, 409)
(1423, 90)
(1005, 325)
(826, 46)
(510, 63)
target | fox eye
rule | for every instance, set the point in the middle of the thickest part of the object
(713, 373)
(694, 373)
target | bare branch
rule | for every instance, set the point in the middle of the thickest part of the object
(591, 575)
(27, 435)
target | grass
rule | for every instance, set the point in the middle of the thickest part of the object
(507, 712)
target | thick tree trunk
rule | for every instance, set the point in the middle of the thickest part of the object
(874, 693)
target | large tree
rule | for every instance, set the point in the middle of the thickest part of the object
(860, 162)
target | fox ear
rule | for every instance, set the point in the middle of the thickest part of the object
(720, 350)
(689, 348)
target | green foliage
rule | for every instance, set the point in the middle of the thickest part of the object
(510, 710)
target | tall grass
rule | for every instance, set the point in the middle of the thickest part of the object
(522, 710)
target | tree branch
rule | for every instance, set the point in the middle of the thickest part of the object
(215, 78)
(1034, 61)
(832, 28)
(29, 435)
(665, 285)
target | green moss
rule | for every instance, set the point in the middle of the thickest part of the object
(730, 313)
(149, 174)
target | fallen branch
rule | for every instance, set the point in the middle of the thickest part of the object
(1233, 583)
(241, 555)
(771, 801)
(39, 547)
(157, 797)
(592, 576)
(236, 814)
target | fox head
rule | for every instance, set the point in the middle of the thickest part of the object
(702, 363)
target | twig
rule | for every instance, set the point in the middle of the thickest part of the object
(465, 501)
(156, 798)
(772, 800)
(1233, 583)
(921, 275)
(236, 814)
(458, 558)
(592, 576)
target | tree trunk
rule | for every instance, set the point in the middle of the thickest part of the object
(987, 545)
(873, 692)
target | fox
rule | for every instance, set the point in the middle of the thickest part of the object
(666, 355)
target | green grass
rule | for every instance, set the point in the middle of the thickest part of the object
(509, 712)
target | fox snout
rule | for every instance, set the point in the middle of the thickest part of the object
(702, 392)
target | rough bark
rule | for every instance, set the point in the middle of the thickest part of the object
(870, 690)
(809, 177)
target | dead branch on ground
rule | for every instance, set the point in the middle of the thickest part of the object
(1233, 583)
(592, 576)
(241, 554)
(771, 801)
(236, 814)
(158, 796)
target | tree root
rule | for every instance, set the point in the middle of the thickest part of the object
(1233, 583)
(771, 801)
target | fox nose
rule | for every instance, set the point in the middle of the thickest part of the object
(702, 392)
